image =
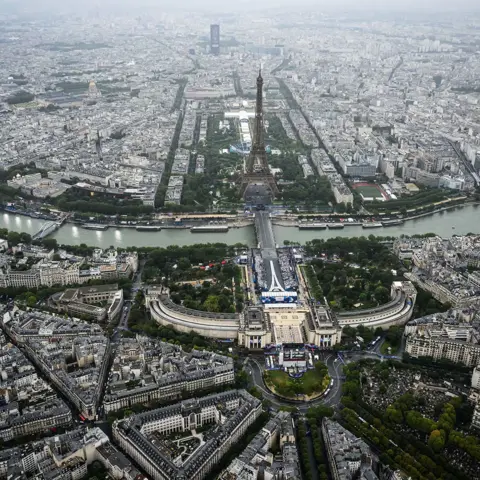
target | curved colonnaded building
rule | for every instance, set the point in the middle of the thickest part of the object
(258, 326)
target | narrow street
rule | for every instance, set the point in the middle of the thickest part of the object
(311, 456)
(136, 285)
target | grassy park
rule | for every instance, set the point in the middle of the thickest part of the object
(309, 385)
(386, 345)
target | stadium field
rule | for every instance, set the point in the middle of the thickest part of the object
(369, 191)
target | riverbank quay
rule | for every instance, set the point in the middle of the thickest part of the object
(291, 220)
(459, 221)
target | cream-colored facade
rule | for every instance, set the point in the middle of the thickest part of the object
(260, 325)
(165, 312)
(83, 300)
(396, 312)
(168, 391)
(255, 328)
(32, 423)
(443, 348)
(442, 337)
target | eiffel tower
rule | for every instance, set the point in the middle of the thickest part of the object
(257, 184)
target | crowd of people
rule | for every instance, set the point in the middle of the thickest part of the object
(287, 267)
(260, 272)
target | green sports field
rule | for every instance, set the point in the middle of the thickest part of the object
(368, 191)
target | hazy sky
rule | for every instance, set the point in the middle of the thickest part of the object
(241, 5)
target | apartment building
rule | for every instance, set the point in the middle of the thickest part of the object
(442, 337)
(28, 404)
(108, 266)
(257, 460)
(230, 414)
(85, 301)
(56, 414)
(349, 457)
(49, 342)
(439, 348)
(357, 163)
(161, 371)
(66, 457)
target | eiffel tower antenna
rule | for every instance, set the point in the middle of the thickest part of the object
(257, 176)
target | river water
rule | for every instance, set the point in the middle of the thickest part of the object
(459, 221)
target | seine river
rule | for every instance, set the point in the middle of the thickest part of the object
(459, 221)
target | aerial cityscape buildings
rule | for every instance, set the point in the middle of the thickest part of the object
(229, 414)
(67, 456)
(144, 370)
(286, 342)
(348, 455)
(73, 356)
(30, 405)
(279, 431)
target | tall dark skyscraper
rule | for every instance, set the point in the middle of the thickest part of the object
(215, 39)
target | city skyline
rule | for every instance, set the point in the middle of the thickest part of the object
(202, 262)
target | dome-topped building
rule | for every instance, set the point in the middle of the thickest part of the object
(93, 91)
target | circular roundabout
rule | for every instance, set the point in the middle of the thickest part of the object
(298, 386)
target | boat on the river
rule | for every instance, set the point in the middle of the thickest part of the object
(335, 225)
(210, 229)
(392, 223)
(371, 225)
(148, 228)
(94, 226)
(312, 226)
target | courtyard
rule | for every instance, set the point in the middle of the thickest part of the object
(178, 446)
